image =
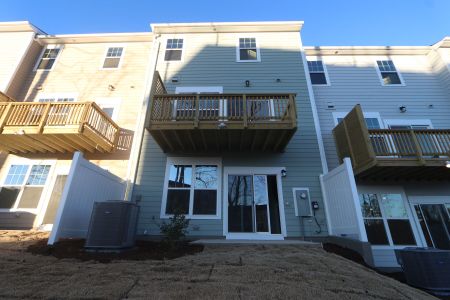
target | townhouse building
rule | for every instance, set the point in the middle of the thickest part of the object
(231, 139)
(69, 93)
(384, 114)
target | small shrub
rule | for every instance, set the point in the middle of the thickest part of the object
(175, 229)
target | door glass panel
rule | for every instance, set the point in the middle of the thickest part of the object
(261, 203)
(274, 210)
(180, 176)
(437, 220)
(55, 197)
(423, 226)
(240, 203)
(369, 206)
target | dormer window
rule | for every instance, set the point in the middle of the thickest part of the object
(317, 72)
(174, 50)
(113, 58)
(48, 58)
(248, 50)
(388, 73)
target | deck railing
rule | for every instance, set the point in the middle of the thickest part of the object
(367, 147)
(246, 108)
(410, 143)
(57, 114)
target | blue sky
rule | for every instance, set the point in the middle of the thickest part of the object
(327, 22)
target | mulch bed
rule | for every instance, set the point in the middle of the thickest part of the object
(74, 248)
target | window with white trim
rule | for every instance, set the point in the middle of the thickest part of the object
(192, 190)
(388, 73)
(386, 219)
(248, 50)
(372, 123)
(317, 72)
(48, 58)
(113, 57)
(110, 106)
(23, 186)
(174, 50)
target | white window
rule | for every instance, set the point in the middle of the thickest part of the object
(192, 187)
(113, 58)
(247, 50)
(388, 73)
(386, 219)
(48, 58)
(23, 186)
(174, 50)
(373, 119)
(57, 97)
(213, 107)
(317, 72)
(110, 106)
(408, 124)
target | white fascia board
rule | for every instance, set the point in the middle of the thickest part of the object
(96, 38)
(282, 26)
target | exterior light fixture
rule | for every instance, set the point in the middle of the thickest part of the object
(278, 80)
(402, 108)
(447, 164)
(222, 125)
(111, 87)
(247, 83)
(283, 172)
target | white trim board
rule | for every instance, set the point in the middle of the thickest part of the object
(312, 100)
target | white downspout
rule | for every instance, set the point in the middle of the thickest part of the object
(140, 127)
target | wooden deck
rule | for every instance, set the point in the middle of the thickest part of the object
(56, 127)
(222, 122)
(392, 154)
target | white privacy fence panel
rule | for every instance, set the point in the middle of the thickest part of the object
(86, 184)
(342, 203)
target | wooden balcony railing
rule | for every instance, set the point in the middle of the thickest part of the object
(386, 148)
(56, 127)
(234, 110)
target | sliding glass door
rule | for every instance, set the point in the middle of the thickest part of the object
(434, 220)
(253, 204)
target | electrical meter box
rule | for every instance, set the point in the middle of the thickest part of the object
(302, 202)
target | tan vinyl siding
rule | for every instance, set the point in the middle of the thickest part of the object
(78, 70)
(14, 47)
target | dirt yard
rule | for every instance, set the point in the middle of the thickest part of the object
(219, 272)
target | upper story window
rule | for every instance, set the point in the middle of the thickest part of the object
(65, 97)
(174, 50)
(248, 50)
(388, 73)
(317, 72)
(48, 58)
(113, 58)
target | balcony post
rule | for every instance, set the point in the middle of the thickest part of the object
(197, 110)
(5, 116)
(293, 110)
(84, 116)
(44, 117)
(417, 147)
(244, 103)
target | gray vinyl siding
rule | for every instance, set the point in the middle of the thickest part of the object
(210, 60)
(354, 80)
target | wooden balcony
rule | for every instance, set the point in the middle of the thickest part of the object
(222, 122)
(56, 127)
(392, 154)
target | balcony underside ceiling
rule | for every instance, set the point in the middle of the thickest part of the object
(405, 170)
(53, 140)
(218, 140)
